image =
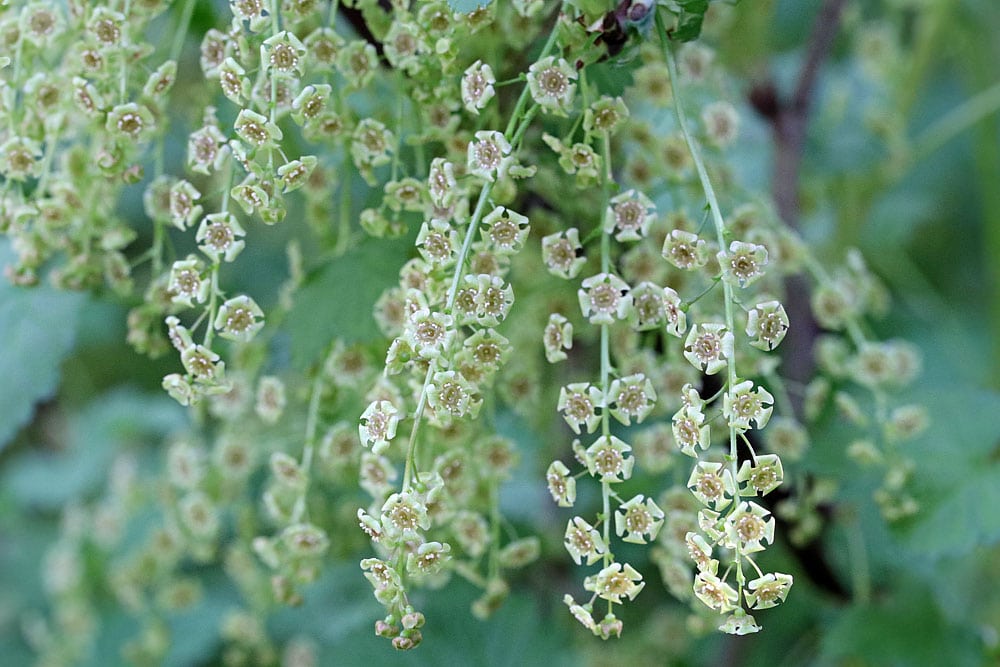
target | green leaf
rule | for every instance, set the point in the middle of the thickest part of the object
(467, 6)
(690, 16)
(611, 78)
(337, 300)
(195, 631)
(341, 614)
(964, 520)
(37, 327)
(907, 630)
(96, 435)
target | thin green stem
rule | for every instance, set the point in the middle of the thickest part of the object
(272, 105)
(470, 233)
(525, 93)
(212, 302)
(720, 232)
(182, 30)
(520, 78)
(15, 82)
(213, 297)
(961, 118)
(50, 150)
(860, 572)
(494, 566)
(312, 420)
(607, 183)
(418, 414)
(688, 304)
(819, 274)
(344, 229)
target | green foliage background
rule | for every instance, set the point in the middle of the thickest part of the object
(73, 395)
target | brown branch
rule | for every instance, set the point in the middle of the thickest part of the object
(790, 121)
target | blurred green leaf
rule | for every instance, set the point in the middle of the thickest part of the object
(967, 518)
(337, 299)
(96, 434)
(906, 631)
(515, 636)
(690, 16)
(37, 327)
(195, 631)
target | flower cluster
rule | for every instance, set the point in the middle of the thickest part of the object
(558, 253)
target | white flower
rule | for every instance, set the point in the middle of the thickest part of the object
(722, 123)
(563, 254)
(743, 264)
(638, 519)
(378, 425)
(767, 323)
(557, 338)
(629, 215)
(239, 318)
(685, 250)
(615, 582)
(712, 484)
(768, 591)
(742, 404)
(579, 402)
(488, 155)
(631, 397)
(477, 86)
(708, 346)
(715, 593)
(220, 236)
(551, 84)
(583, 542)
(606, 459)
(506, 230)
(561, 484)
(604, 298)
(748, 527)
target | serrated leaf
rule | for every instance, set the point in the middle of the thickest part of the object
(467, 6)
(690, 16)
(336, 301)
(612, 78)
(37, 327)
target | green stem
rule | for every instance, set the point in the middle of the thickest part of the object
(123, 75)
(956, 121)
(515, 116)
(688, 304)
(819, 274)
(494, 566)
(312, 420)
(182, 30)
(344, 230)
(50, 149)
(860, 573)
(608, 181)
(470, 233)
(720, 232)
